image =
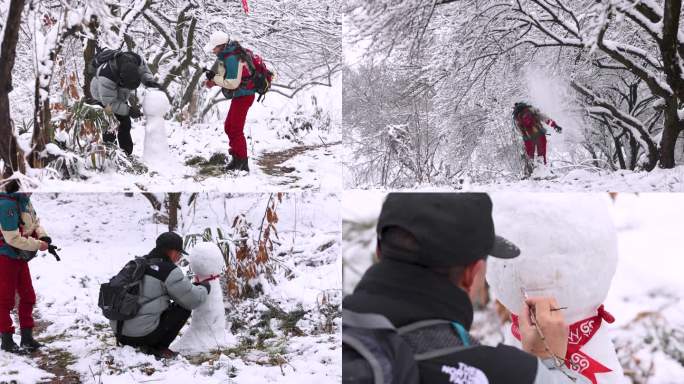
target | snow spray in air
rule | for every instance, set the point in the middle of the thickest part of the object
(554, 97)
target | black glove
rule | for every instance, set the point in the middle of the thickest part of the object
(209, 73)
(46, 239)
(52, 249)
(205, 284)
(134, 112)
(558, 128)
(153, 84)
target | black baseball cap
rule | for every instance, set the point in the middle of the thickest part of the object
(170, 240)
(450, 228)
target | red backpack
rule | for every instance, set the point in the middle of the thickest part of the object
(260, 77)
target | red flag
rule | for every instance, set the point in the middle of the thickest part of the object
(245, 7)
(579, 334)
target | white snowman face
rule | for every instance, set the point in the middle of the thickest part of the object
(155, 103)
(568, 249)
(206, 259)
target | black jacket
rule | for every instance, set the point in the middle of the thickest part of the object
(406, 294)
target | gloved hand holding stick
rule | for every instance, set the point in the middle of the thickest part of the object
(52, 249)
(209, 73)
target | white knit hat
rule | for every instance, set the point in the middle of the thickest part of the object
(216, 38)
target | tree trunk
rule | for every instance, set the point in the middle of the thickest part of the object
(172, 205)
(41, 126)
(634, 152)
(88, 55)
(670, 133)
(10, 152)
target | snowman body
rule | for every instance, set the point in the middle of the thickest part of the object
(568, 249)
(156, 147)
(207, 330)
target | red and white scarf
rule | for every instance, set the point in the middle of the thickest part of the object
(579, 334)
(202, 279)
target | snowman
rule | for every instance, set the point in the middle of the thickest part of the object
(568, 246)
(156, 147)
(207, 329)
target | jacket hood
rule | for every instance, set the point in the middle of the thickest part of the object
(407, 293)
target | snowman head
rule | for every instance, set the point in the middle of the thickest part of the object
(155, 103)
(206, 260)
(568, 250)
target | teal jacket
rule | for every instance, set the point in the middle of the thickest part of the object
(12, 205)
(231, 63)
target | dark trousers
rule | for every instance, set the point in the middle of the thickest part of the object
(124, 135)
(170, 324)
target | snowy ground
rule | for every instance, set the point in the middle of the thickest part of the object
(277, 163)
(646, 295)
(290, 334)
(568, 179)
(578, 179)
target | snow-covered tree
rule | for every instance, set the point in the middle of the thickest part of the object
(299, 40)
(10, 153)
(619, 61)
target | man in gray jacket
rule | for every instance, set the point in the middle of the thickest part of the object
(111, 86)
(167, 298)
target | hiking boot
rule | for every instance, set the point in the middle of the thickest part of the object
(166, 354)
(238, 164)
(8, 344)
(158, 353)
(231, 163)
(28, 342)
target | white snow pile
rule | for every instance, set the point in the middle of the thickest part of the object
(156, 148)
(208, 322)
(569, 252)
(288, 331)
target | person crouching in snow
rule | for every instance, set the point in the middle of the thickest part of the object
(234, 77)
(116, 74)
(159, 319)
(530, 122)
(21, 236)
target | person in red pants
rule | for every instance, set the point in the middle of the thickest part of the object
(235, 79)
(530, 122)
(21, 236)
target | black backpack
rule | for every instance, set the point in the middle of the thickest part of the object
(375, 352)
(119, 297)
(106, 55)
(519, 107)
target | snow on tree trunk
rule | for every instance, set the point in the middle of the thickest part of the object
(10, 153)
(207, 329)
(156, 147)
